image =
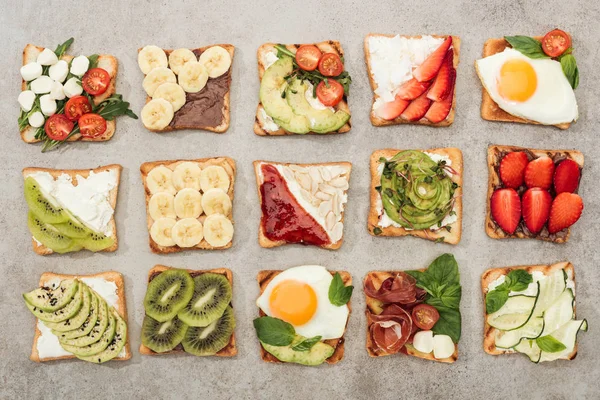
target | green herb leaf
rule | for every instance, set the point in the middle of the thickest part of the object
(518, 280)
(93, 61)
(377, 231)
(515, 281)
(62, 48)
(494, 300)
(274, 331)
(444, 269)
(569, 67)
(283, 51)
(339, 294)
(114, 106)
(306, 344)
(449, 323)
(528, 46)
(549, 344)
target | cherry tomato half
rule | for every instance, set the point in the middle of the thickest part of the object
(92, 125)
(76, 107)
(95, 81)
(332, 95)
(331, 65)
(556, 42)
(58, 127)
(308, 57)
(425, 316)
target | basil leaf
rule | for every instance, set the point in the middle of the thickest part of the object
(518, 280)
(307, 344)
(528, 46)
(549, 344)
(569, 67)
(444, 270)
(449, 323)
(274, 331)
(495, 299)
(339, 294)
(450, 297)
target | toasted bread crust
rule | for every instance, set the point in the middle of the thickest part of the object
(494, 156)
(229, 350)
(227, 163)
(268, 243)
(43, 250)
(452, 237)
(121, 308)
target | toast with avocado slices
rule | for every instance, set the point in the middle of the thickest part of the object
(438, 176)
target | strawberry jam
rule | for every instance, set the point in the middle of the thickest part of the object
(283, 218)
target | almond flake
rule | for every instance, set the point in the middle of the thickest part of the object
(330, 221)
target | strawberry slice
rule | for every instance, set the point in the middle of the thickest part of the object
(512, 169)
(565, 211)
(444, 79)
(393, 109)
(539, 173)
(505, 206)
(566, 177)
(412, 89)
(536, 208)
(417, 108)
(432, 64)
(439, 110)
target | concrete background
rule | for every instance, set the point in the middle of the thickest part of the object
(119, 28)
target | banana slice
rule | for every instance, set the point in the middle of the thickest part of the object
(216, 201)
(161, 205)
(157, 114)
(171, 92)
(187, 232)
(161, 231)
(151, 57)
(188, 203)
(193, 77)
(187, 175)
(159, 179)
(179, 57)
(214, 176)
(216, 60)
(157, 77)
(218, 230)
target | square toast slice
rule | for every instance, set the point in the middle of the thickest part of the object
(375, 120)
(230, 349)
(494, 156)
(120, 307)
(452, 237)
(227, 163)
(264, 277)
(43, 250)
(330, 46)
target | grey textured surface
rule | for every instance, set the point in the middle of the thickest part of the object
(119, 28)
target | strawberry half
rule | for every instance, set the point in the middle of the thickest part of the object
(393, 109)
(430, 67)
(566, 177)
(565, 211)
(536, 204)
(505, 206)
(444, 79)
(412, 89)
(417, 108)
(539, 173)
(512, 169)
(439, 110)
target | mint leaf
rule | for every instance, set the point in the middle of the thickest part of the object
(274, 331)
(569, 67)
(339, 294)
(307, 344)
(549, 344)
(527, 46)
(495, 299)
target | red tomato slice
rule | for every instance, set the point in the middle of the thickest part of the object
(92, 125)
(95, 81)
(76, 107)
(332, 95)
(556, 42)
(331, 65)
(425, 316)
(308, 57)
(58, 127)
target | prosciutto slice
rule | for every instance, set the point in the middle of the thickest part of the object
(389, 330)
(400, 288)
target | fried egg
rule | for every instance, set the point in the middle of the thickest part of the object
(533, 89)
(300, 296)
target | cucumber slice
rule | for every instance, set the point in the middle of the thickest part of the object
(559, 313)
(515, 313)
(550, 288)
(567, 335)
(510, 339)
(530, 349)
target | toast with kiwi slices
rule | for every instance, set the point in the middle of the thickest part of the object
(201, 298)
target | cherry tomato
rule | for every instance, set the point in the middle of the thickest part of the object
(58, 127)
(308, 57)
(95, 81)
(425, 316)
(556, 42)
(331, 95)
(76, 107)
(92, 125)
(331, 65)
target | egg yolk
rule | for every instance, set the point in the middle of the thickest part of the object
(517, 81)
(293, 301)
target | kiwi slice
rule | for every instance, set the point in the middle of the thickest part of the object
(87, 325)
(114, 347)
(78, 319)
(212, 294)
(49, 299)
(95, 333)
(162, 336)
(100, 345)
(47, 234)
(72, 228)
(168, 293)
(62, 314)
(95, 241)
(76, 246)
(41, 205)
(206, 341)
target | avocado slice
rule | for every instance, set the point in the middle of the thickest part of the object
(315, 356)
(100, 345)
(114, 347)
(93, 335)
(48, 299)
(62, 314)
(78, 319)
